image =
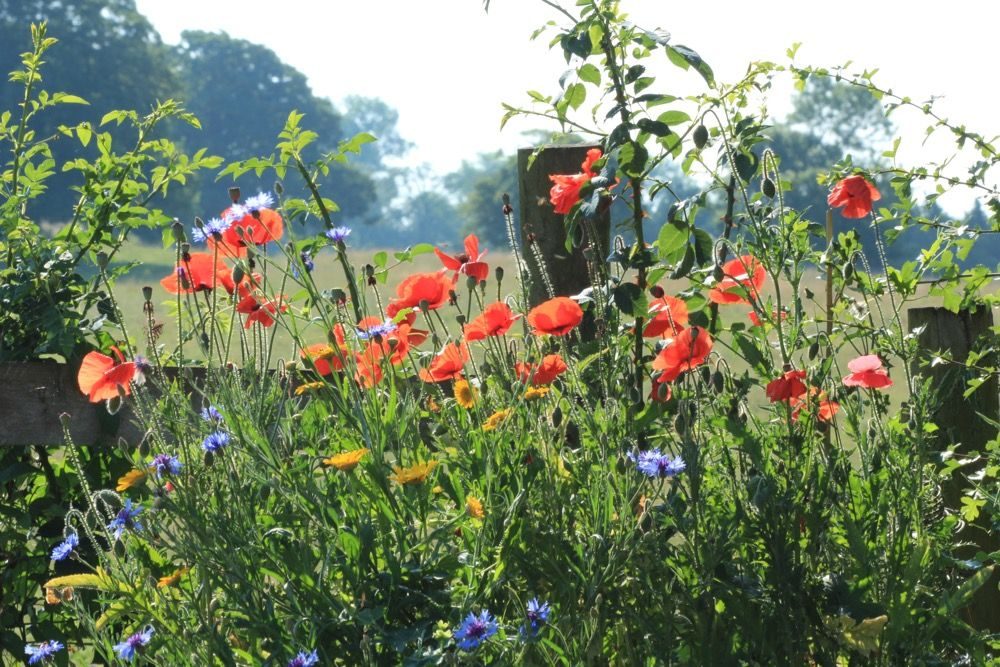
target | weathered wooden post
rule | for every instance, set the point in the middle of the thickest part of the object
(543, 235)
(963, 422)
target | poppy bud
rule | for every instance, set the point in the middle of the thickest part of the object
(507, 208)
(498, 272)
(424, 306)
(279, 189)
(767, 187)
(657, 292)
(718, 381)
(64, 418)
(147, 293)
(186, 252)
(471, 282)
(338, 296)
(234, 194)
(210, 459)
(369, 270)
(813, 350)
(178, 231)
(250, 261)
(706, 374)
(700, 136)
(848, 271)
(238, 274)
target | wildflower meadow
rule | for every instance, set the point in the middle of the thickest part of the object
(728, 447)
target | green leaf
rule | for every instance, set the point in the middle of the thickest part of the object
(703, 244)
(575, 95)
(633, 157)
(655, 127)
(589, 73)
(672, 241)
(963, 594)
(630, 300)
(673, 117)
(421, 249)
(380, 259)
(84, 133)
(684, 58)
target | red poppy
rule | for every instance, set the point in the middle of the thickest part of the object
(687, 350)
(434, 288)
(566, 189)
(469, 262)
(855, 194)
(369, 366)
(260, 309)
(660, 391)
(556, 316)
(393, 309)
(668, 315)
(201, 271)
(448, 365)
(395, 345)
(756, 321)
(99, 376)
(867, 372)
(551, 367)
(825, 409)
(259, 226)
(325, 357)
(740, 276)
(495, 320)
(788, 387)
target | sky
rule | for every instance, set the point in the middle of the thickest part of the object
(447, 65)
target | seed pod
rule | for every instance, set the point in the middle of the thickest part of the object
(178, 230)
(460, 318)
(767, 187)
(234, 194)
(147, 293)
(471, 282)
(700, 136)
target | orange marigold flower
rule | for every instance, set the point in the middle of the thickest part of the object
(465, 394)
(346, 461)
(855, 194)
(326, 358)
(741, 275)
(533, 393)
(172, 579)
(100, 377)
(495, 320)
(668, 315)
(551, 367)
(415, 474)
(787, 388)
(434, 288)
(468, 262)
(867, 372)
(448, 365)
(130, 479)
(556, 316)
(565, 190)
(474, 507)
(309, 386)
(687, 350)
(494, 420)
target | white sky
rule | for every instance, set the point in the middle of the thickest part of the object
(447, 65)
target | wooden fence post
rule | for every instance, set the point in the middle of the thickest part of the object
(961, 422)
(542, 231)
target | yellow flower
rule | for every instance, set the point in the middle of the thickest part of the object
(345, 461)
(495, 419)
(465, 394)
(535, 392)
(172, 579)
(130, 479)
(474, 507)
(437, 489)
(308, 386)
(414, 474)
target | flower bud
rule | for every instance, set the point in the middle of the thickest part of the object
(471, 282)
(498, 272)
(767, 187)
(700, 136)
(177, 229)
(238, 274)
(147, 293)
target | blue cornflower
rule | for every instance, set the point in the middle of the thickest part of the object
(537, 616)
(126, 519)
(338, 234)
(43, 652)
(376, 330)
(215, 441)
(262, 200)
(307, 261)
(128, 648)
(213, 228)
(165, 464)
(210, 414)
(65, 548)
(654, 463)
(234, 213)
(304, 659)
(475, 630)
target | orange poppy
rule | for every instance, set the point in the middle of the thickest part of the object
(825, 409)
(369, 366)
(325, 357)
(99, 376)
(668, 315)
(565, 190)
(448, 365)
(200, 271)
(687, 350)
(787, 388)
(468, 262)
(259, 226)
(756, 321)
(556, 316)
(396, 344)
(495, 320)
(434, 288)
(855, 194)
(741, 275)
(259, 308)
(551, 367)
